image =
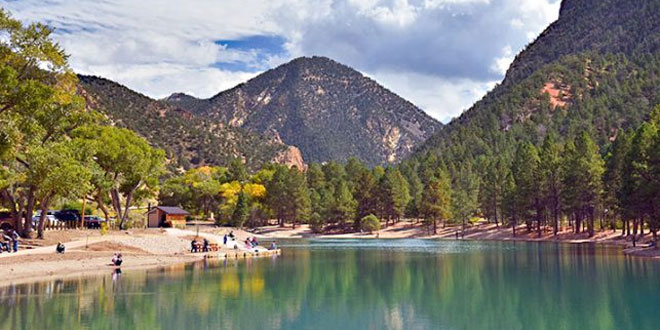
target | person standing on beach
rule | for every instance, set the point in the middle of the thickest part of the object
(15, 237)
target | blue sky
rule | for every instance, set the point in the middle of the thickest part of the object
(442, 55)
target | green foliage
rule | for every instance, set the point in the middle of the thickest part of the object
(316, 222)
(436, 199)
(38, 108)
(370, 223)
(241, 212)
(465, 195)
(131, 167)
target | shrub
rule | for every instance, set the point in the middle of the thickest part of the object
(370, 223)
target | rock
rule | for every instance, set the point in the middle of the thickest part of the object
(291, 157)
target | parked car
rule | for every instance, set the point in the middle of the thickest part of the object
(6, 220)
(67, 215)
(93, 221)
(51, 220)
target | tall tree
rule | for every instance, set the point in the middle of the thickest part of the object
(436, 199)
(613, 179)
(465, 194)
(525, 170)
(131, 166)
(57, 170)
(345, 205)
(550, 166)
(299, 197)
(242, 211)
(583, 170)
(38, 108)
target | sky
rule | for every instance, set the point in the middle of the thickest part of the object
(442, 55)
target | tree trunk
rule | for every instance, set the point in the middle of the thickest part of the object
(555, 215)
(435, 226)
(539, 216)
(45, 203)
(590, 225)
(14, 209)
(29, 209)
(101, 206)
(515, 221)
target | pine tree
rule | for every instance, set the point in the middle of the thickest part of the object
(242, 211)
(436, 199)
(299, 197)
(465, 194)
(344, 204)
(613, 178)
(551, 185)
(583, 169)
(525, 171)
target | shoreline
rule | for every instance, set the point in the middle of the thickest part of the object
(479, 232)
(141, 250)
(151, 249)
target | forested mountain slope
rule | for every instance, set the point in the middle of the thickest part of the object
(187, 139)
(595, 70)
(328, 110)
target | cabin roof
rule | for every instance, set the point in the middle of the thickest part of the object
(171, 210)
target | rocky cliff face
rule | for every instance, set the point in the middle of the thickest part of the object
(327, 110)
(291, 157)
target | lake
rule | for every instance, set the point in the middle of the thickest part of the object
(360, 284)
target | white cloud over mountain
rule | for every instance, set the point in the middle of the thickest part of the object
(440, 54)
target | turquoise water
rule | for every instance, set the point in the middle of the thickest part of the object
(353, 284)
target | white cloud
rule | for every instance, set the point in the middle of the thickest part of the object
(501, 64)
(440, 54)
(441, 98)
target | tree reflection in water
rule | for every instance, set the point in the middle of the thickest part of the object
(355, 285)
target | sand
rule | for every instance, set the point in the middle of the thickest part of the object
(90, 253)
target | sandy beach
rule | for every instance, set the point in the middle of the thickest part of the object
(88, 252)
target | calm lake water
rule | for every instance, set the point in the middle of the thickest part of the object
(353, 284)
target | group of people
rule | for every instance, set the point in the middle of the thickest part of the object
(9, 241)
(251, 242)
(195, 246)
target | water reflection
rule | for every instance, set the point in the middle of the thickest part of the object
(406, 284)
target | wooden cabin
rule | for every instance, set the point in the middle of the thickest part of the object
(160, 215)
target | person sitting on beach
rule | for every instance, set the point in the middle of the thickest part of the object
(273, 246)
(116, 260)
(205, 245)
(193, 245)
(254, 242)
(60, 248)
(248, 243)
(231, 234)
(4, 242)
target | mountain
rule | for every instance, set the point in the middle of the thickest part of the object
(596, 69)
(188, 139)
(328, 110)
